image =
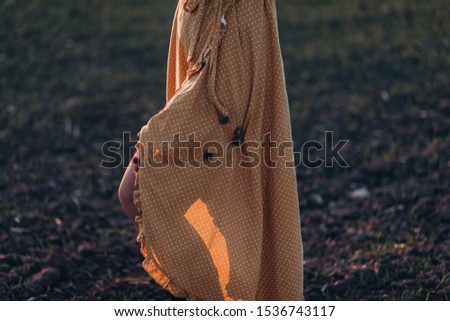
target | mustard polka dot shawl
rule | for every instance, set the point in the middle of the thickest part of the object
(219, 216)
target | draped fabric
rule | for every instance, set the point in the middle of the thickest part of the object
(219, 212)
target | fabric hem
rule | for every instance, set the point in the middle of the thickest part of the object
(149, 264)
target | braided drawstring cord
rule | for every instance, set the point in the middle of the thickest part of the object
(212, 49)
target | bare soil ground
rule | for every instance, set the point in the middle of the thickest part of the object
(76, 74)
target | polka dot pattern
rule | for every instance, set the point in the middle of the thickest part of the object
(227, 232)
